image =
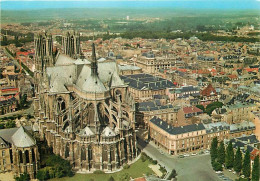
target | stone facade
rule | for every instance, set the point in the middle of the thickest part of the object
(86, 113)
(18, 152)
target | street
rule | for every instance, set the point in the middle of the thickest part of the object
(193, 168)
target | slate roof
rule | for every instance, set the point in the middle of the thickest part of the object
(215, 127)
(20, 137)
(147, 82)
(108, 132)
(152, 106)
(245, 125)
(176, 130)
(69, 71)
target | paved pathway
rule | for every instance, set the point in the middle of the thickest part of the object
(194, 168)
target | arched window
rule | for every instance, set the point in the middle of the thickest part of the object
(61, 104)
(90, 157)
(91, 114)
(67, 151)
(21, 156)
(33, 156)
(27, 156)
(118, 93)
(104, 154)
(83, 153)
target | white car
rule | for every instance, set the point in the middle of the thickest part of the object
(230, 170)
(242, 176)
(193, 154)
(218, 172)
(186, 155)
(234, 172)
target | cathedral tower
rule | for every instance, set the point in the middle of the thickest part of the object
(71, 44)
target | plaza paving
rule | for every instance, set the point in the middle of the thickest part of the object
(193, 168)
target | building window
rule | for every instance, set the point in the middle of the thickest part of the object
(3, 153)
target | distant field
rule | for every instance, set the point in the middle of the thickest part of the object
(118, 13)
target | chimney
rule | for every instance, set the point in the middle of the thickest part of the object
(160, 122)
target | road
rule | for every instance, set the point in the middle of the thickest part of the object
(194, 168)
(20, 112)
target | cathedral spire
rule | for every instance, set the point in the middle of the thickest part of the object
(94, 61)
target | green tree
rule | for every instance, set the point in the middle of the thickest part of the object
(111, 178)
(246, 165)
(221, 153)
(229, 156)
(10, 124)
(200, 107)
(43, 174)
(255, 171)
(238, 161)
(217, 166)
(214, 149)
(23, 177)
(23, 100)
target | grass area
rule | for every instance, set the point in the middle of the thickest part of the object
(137, 169)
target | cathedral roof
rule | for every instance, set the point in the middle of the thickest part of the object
(4, 144)
(21, 138)
(108, 132)
(116, 80)
(86, 132)
(93, 84)
(69, 71)
(58, 85)
(64, 60)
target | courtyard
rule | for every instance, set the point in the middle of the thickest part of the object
(137, 169)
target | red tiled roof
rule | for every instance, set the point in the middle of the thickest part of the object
(251, 69)
(208, 90)
(192, 109)
(232, 76)
(254, 153)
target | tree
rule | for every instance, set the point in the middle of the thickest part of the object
(111, 178)
(229, 156)
(23, 177)
(10, 124)
(214, 149)
(221, 153)
(23, 100)
(238, 161)
(246, 165)
(43, 174)
(217, 166)
(172, 175)
(255, 171)
(200, 107)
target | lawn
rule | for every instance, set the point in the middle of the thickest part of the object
(137, 169)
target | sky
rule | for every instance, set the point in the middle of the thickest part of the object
(191, 4)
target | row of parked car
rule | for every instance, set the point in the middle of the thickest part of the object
(194, 154)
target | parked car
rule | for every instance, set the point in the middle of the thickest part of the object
(181, 156)
(193, 154)
(218, 172)
(230, 170)
(186, 155)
